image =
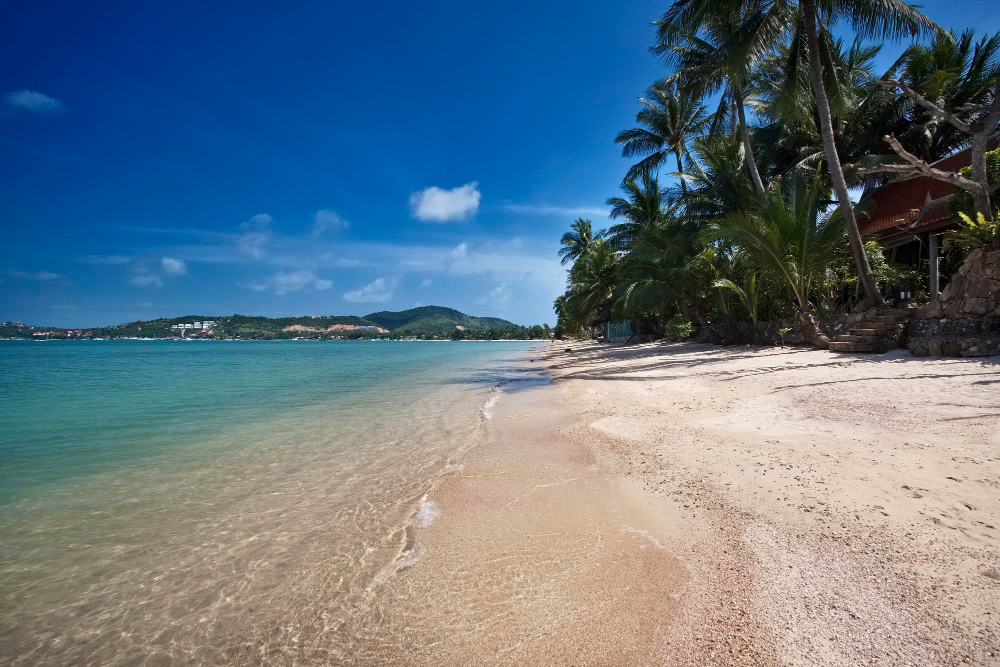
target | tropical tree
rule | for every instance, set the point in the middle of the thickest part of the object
(643, 207)
(578, 241)
(788, 235)
(954, 72)
(667, 270)
(885, 19)
(592, 280)
(669, 119)
(714, 45)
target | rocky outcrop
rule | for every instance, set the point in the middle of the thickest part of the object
(964, 321)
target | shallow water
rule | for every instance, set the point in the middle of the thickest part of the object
(208, 502)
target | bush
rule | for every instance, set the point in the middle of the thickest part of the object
(679, 327)
(978, 232)
(961, 202)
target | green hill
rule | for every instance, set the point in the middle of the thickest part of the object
(425, 321)
(434, 320)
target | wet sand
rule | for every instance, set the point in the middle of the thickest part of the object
(684, 504)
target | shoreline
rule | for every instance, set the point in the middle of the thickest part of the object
(689, 504)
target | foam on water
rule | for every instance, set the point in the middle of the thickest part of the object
(426, 514)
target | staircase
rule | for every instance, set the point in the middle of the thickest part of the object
(879, 334)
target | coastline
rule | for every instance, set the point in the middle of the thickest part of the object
(689, 504)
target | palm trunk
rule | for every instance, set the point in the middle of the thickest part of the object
(680, 170)
(810, 327)
(833, 159)
(747, 148)
(981, 200)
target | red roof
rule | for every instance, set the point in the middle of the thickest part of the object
(895, 206)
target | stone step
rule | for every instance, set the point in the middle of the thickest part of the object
(838, 346)
(854, 338)
(866, 331)
(888, 321)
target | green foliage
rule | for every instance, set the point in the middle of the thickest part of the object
(781, 332)
(978, 232)
(433, 320)
(961, 201)
(425, 322)
(679, 327)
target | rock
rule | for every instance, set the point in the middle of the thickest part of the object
(978, 306)
(952, 309)
(951, 348)
(933, 309)
(934, 348)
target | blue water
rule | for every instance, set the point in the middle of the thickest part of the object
(212, 501)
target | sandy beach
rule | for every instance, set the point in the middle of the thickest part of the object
(686, 504)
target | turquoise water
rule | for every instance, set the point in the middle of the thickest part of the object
(209, 502)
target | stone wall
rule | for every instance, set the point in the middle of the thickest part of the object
(726, 333)
(964, 321)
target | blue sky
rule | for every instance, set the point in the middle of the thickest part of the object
(336, 158)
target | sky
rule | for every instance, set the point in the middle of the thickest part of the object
(313, 158)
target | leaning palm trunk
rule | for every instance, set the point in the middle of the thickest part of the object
(758, 184)
(833, 159)
(811, 329)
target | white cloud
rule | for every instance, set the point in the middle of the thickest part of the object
(144, 304)
(426, 282)
(436, 204)
(146, 280)
(257, 235)
(106, 259)
(173, 267)
(284, 282)
(499, 297)
(32, 100)
(377, 291)
(563, 211)
(461, 251)
(327, 219)
(28, 275)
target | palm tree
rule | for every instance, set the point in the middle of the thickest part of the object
(592, 280)
(952, 72)
(643, 207)
(670, 117)
(786, 235)
(748, 29)
(887, 19)
(718, 183)
(578, 241)
(714, 45)
(667, 270)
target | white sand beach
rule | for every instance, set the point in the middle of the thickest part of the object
(690, 504)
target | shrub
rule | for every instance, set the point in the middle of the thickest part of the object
(978, 233)
(679, 327)
(961, 202)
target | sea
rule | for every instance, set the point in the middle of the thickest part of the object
(221, 502)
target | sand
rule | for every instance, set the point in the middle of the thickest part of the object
(685, 504)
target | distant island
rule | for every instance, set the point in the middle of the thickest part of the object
(423, 323)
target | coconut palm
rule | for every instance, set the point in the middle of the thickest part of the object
(592, 280)
(714, 45)
(643, 207)
(952, 72)
(888, 19)
(578, 241)
(753, 23)
(670, 117)
(787, 235)
(718, 182)
(668, 269)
